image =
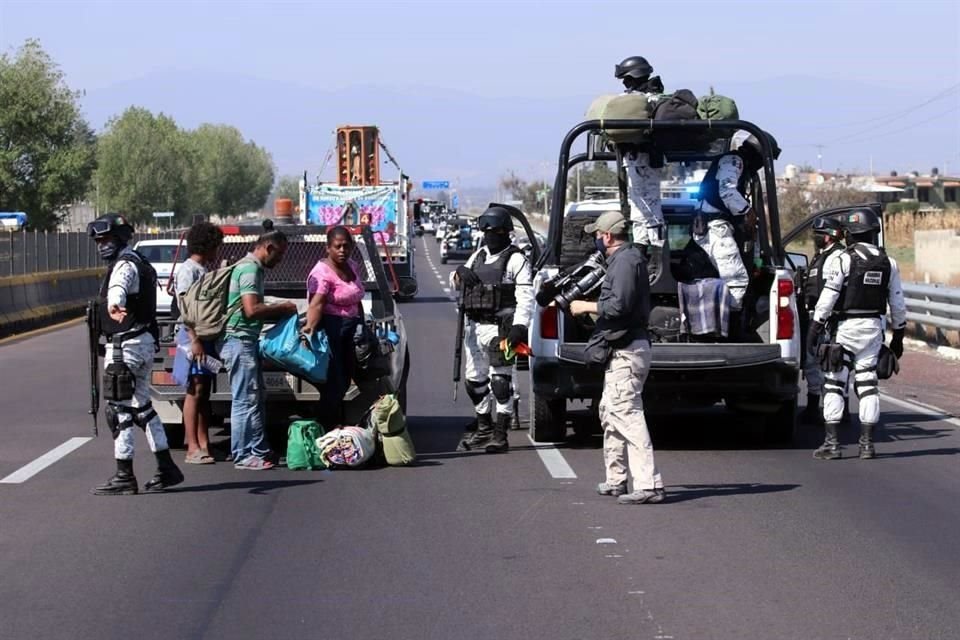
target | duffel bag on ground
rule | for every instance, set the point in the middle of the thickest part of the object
(302, 451)
(624, 106)
(387, 420)
(282, 346)
(347, 447)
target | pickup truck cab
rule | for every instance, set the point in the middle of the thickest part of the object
(286, 394)
(757, 373)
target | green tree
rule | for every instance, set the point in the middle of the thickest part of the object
(796, 202)
(596, 174)
(232, 176)
(47, 149)
(144, 165)
(288, 187)
(529, 193)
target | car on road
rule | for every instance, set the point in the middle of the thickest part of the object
(164, 255)
(287, 395)
(428, 225)
(459, 240)
(757, 373)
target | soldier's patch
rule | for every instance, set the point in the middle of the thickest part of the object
(873, 278)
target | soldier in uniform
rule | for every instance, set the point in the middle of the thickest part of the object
(496, 283)
(858, 293)
(127, 315)
(828, 240)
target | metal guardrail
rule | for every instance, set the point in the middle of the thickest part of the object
(933, 306)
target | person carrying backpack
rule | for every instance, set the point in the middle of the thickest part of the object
(240, 348)
(203, 241)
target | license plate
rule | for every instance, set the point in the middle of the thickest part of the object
(280, 382)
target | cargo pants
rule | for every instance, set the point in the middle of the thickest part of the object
(137, 354)
(627, 448)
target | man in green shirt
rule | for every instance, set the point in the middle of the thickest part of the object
(241, 350)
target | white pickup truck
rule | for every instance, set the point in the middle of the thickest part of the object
(286, 394)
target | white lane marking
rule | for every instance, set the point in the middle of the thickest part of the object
(31, 469)
(446, 289)
(606, 541)
(553, 460)
(929, 411)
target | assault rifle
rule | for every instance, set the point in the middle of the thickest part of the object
(93, 336)
(458, 346)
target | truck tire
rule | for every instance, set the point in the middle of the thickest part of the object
(779, 427)
(548, 419)
(443, 259)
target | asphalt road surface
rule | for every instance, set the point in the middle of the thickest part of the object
(753, 542)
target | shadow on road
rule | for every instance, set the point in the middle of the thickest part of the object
(684, 492)
(427, 299)
(947, 451)
(254, 487)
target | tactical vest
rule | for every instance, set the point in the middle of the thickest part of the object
(492, 297)
(813, 285)
(710, 186)
(141, 306)
(866, 290)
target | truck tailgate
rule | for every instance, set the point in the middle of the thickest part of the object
(693, 355)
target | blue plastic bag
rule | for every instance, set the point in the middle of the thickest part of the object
(282, 346)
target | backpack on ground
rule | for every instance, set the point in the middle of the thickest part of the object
(302, 452)
(203, 307)
(347, 447)
(717, 107)
(386, 419)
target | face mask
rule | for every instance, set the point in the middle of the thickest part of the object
(496, 242)
(819, 241)
(602, 248)
(108, 250)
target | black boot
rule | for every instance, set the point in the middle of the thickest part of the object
(867, 451)
(123, 482)
(812, 414)
(498, 443)
(515, 416)
(830, 449)
(168, 474)
(479, 436)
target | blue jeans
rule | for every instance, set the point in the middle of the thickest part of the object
(247, 435)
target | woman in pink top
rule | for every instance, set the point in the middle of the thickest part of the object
(335, 292)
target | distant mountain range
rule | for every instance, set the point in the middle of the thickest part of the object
(472, 140)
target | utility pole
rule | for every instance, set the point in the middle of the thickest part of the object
(820, 148)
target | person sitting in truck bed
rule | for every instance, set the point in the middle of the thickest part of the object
(335, 294)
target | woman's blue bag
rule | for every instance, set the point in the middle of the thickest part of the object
(305, 357)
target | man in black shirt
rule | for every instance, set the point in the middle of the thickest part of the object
(622, 314)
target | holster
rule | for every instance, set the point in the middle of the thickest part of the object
(833, 358)
(118, 380)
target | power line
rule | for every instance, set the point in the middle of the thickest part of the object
(893, 116)
(907, 128)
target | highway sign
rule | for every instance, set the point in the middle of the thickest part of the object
(163, 214)
(436, 184)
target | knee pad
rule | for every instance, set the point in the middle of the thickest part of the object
(501, 387)
(477, 391)
(865, 383)
(120, 417)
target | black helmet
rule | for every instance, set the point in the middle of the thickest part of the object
(635, 67)
(111, 224)
(746, 140)
(828, 227)
(861, 221)
(497, 216)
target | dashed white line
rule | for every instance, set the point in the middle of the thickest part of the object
(553, 460)
(31, 469)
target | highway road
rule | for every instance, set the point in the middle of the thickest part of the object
(753, 542)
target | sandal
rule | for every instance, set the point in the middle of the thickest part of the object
(199, 457)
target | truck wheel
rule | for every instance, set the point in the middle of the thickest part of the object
(779, 427)
(548, 419)
(443, 259)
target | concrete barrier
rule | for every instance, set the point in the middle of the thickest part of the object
(39, 299)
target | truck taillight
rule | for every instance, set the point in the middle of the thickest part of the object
(549, 319)
(162, 378)
(784, 312)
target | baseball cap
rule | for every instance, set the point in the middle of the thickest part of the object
(608, 222)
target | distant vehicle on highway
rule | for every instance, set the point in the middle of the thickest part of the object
(161, 254)
(458, 241)
(429, 226)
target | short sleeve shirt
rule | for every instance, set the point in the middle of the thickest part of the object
(188, 272)
(246, 279)
(342, 297)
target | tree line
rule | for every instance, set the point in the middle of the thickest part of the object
(142, 162)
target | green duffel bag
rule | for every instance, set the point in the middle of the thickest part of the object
(717, 107)
(387, 419)
(623, 106)
(302, 451)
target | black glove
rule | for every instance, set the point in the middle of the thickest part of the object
(896, 343)
(517, 335)
(813, 336)
(467, 277)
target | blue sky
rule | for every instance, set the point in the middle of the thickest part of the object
(502, 50)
